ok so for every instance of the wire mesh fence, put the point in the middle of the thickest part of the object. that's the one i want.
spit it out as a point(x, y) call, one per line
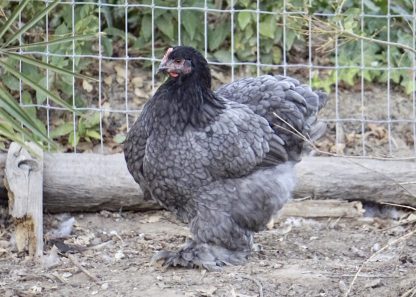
point(361, 52)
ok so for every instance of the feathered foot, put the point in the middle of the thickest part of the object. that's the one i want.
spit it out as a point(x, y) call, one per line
point(202, 255)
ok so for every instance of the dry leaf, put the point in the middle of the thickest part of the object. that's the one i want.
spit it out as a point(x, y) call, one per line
point(108, 80)
point(137, 81)
point(87, 86)
point(121, 71)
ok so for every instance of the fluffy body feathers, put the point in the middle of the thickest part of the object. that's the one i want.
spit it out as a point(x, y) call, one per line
point(221, 161)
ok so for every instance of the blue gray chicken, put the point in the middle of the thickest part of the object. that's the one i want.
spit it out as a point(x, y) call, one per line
point(222, 161)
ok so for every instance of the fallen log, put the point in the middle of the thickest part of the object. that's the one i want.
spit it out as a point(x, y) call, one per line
point(93, 182)
point(380, 181)
point(90, 182)
point(322, 209)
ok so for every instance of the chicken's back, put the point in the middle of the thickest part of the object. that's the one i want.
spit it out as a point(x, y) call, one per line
point(288, 106)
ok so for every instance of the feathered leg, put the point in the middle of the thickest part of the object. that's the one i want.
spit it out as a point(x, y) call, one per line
point(202, 255)
point(228, 212)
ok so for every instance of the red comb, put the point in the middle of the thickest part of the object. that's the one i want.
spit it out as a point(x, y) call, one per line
point(165, 57)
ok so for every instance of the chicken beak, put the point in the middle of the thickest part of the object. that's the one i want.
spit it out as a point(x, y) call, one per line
point(164, 67)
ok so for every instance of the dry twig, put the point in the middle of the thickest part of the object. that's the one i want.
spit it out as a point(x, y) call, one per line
point(399, 205)
point(77, 264)
point(409, 293)
point(257, 283)
point(401, 238)
point(321, 27)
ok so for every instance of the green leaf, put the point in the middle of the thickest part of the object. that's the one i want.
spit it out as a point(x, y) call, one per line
point(290, 39)
point(48, 66)
point(370, 5)
point(244, 19)
point(31, 23)
point(107, 44)
point(119, 138)
point(348, 75)
point(52, 42)
point(13, 17)
point(119, 33)
point(29, 70)
point(93, 134)
point(40, 96)
point(146, 27)
point(164, 24)
point(14, 114)
point(36, 86)
point(9, 104)
point(217, 35)
point(73, 139)
point(13, 130)
point(2, 145)
point(62, 130)
point(27, 99)
point(409, 85)
point(277, 55)
point(223, 56)
point(62, 29)
point(91, 120)
point(245, 3)
point(81, 128)
point(10, 135)
point(268, 26)
point(190, 22)
point(87, 24)
point(11, 82)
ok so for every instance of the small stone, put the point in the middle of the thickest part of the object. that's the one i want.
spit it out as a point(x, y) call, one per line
point(104, 286)
point(119, 255)
point(358, 252)
point(35, 289)
point(342, 286)
point(374, 283)
point(66, 274)
point(375, 247)
point(105, 213)
point(263, 264)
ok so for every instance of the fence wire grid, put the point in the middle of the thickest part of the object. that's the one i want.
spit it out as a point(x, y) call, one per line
point(365, 118)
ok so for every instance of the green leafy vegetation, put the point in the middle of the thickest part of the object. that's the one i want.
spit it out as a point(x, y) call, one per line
point(371, 41)
point(360, 41)
point(27, 75)
point(341, 34)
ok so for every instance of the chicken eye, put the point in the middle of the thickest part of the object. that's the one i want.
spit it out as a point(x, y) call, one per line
point(177, 61)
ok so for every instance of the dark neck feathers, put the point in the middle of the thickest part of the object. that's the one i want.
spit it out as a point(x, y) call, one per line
point(188, 100)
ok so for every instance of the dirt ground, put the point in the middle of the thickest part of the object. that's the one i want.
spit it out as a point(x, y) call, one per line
point(299, 257)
